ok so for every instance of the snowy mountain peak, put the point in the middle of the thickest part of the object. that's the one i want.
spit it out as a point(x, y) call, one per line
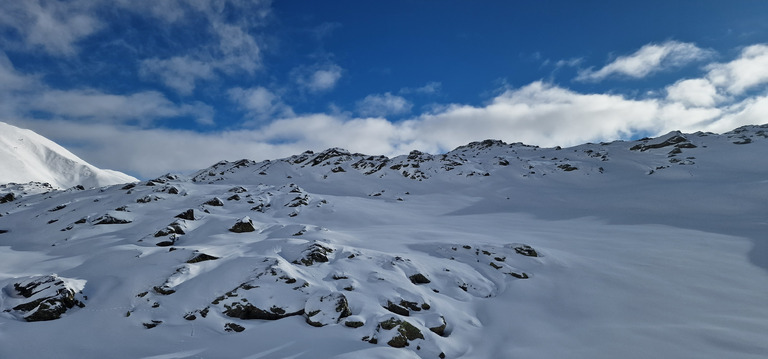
point(26, 156)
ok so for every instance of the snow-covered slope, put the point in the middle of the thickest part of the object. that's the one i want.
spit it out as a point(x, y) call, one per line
point(650, 248)
point(26, 156)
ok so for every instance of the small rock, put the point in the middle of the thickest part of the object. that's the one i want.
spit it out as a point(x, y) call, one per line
point(243, 225)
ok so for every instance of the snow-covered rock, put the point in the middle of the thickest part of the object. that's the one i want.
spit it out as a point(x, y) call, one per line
point(42, 298)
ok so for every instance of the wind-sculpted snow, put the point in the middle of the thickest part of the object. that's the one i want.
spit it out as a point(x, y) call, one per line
point(491, 250)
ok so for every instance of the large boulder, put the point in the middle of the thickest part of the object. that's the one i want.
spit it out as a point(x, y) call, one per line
point(42, 298)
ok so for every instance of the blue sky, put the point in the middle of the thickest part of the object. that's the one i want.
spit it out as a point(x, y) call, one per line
point(151, 86)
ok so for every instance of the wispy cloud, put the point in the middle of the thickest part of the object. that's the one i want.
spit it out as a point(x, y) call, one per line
point(25, 95)
point(430, 88)
point(383, 105)
point(179, 73)
point(120, 130)
point(260, 103)
point(318, 77)
point(53, 26)
point(647, 60)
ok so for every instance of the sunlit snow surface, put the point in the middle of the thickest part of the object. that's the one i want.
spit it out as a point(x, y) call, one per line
point(640, 253)
point(26, 156)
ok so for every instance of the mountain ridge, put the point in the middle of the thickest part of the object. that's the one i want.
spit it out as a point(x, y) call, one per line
point(621, 249)
point(25, 156)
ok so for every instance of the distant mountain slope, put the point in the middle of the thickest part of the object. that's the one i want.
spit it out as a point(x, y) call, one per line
point(26, 156)
point(637, 249)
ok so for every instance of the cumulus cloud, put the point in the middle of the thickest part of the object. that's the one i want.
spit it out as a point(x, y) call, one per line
point(539, 113)
point(52, 26)
point(742, 74)
point(383, 105)
point(694, 92)
point(648, 59)
point(118, 129)
point(318, 77)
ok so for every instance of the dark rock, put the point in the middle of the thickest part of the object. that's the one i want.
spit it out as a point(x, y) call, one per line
point(419, 278)
point(406, 332)
point(674, 140)
point(48, 297)
point(147, 199)
point(163, 290)
point(326, 309)
point(202, 257)
point(518, 275)
point(152, 324)
point(215, 201)
point(439, 329)
point(243, 225)
point(173, 228)
point(315, 253)
point(9, 197)
point(234, 197)
point(188, 215)
point(245, 310)
point(57, 208)
point(353, 324)
point(526, 250)
point(107, 219)
point(397, 309)
point(232, 327)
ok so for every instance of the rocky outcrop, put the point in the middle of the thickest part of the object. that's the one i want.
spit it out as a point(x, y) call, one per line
point(43, 298)
point(109, 219)
point(322, 310)
point(315, 253)
point(246, 310)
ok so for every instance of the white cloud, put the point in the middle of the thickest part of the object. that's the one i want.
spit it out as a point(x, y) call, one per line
point(259, 102)
point(383, 105)
point(142, 107)
point(742, 74)
point(317, 78)
point(53, 26)
point(694, 92)
point(10, 79)
point(25, 94)
point(539, 113)
point(237, 49)
point(179, 73)
point(648, 59)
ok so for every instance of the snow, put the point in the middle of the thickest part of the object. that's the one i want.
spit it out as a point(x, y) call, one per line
point(26, 156)
point(636, 255)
